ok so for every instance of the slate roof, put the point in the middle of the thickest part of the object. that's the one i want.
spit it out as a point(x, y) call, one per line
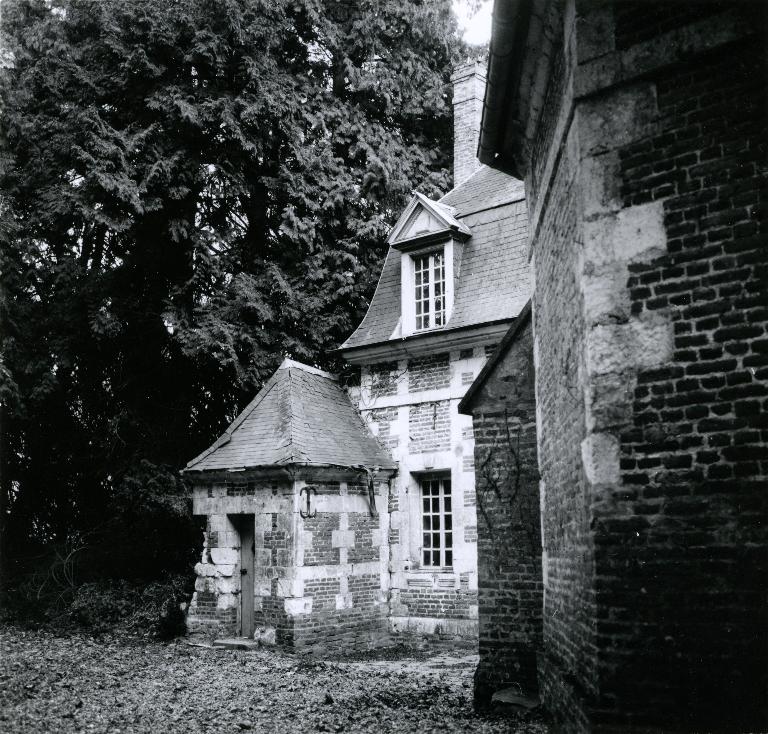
point(300, 416)
point(484, 189)
point(493, 282)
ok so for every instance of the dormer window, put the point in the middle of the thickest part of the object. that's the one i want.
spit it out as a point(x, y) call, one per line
point(430, 241)
point(429, 283)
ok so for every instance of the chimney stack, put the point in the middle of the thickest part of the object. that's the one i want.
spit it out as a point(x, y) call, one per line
point(468, 93)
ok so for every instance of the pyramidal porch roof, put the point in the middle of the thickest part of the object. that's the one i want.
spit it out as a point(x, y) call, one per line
point(301, 416)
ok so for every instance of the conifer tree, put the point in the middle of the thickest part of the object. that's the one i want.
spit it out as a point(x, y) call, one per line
point(192, 190)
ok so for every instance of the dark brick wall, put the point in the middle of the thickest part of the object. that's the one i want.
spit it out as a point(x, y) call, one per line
point(209, 620)
point(655, 607)
point(323, 593)
point(569, 610)
point(643, 20)
point(685, 591)
point(510, 585)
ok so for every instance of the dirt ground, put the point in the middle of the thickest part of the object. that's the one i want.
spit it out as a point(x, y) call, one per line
point(118, 684)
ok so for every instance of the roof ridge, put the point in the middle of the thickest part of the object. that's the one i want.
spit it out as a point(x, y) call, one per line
point(288, 363)
point(294, 446)
point(465, 181)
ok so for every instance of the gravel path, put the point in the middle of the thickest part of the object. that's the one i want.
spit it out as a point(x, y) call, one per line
point(108, 684)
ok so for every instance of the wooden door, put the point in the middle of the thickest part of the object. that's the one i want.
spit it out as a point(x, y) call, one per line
point(247, 553)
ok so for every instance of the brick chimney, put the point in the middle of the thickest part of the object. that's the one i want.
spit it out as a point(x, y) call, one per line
point(468, 92)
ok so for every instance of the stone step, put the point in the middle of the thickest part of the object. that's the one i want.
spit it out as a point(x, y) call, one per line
point(236, 643)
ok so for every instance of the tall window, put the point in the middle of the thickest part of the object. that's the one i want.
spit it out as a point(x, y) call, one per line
point(437, 522)
point(429, 283)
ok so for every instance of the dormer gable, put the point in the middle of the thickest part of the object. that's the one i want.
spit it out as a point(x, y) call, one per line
point(430, 240)
point(424, 219)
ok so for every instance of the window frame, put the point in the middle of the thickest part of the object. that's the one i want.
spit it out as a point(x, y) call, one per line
point(435, 289)
point(445, 532)
point(409, 261)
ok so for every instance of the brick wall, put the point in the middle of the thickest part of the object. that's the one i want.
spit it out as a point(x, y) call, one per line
point(649, 316)
point(429, 426)
point(432, 602)
point(569, 612)
point(509, 539)
point(428, 373)
point(694, 459)
point(323, 593)
point(384, 379)
point(360, 625)
point(381, 421)
point(363, 525)
point(643, 20)
point(320, 551)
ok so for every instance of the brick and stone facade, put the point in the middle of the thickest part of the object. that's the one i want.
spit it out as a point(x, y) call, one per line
point(412, 378)
point(320, 582)
point(641, 131)
point(502, 404)
point(418, 419)
point(296, 547)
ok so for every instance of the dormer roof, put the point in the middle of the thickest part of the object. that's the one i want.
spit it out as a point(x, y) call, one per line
point(493, 282)
point(425, 218)
point(301, 416)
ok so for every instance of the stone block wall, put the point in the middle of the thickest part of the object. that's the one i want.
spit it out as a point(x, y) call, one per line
point(510, 584)
point(215, 606)
point(647, 198)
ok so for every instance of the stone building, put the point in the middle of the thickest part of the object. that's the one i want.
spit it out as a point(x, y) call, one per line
point(337, 517)
point(453, 281)
point(640, 130)
point(502, 403)
point(295, 496)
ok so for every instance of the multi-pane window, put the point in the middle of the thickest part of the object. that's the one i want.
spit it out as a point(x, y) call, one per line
point(429, 283)
point(437, 522)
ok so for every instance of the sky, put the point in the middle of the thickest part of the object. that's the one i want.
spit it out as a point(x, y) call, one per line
point(476, 29)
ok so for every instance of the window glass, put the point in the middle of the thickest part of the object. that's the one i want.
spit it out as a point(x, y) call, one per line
point(429, 290)
point(437, 522)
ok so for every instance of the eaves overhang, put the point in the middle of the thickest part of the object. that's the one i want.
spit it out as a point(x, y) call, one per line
point(502, 130)
point(427, 342)
point(292, 470)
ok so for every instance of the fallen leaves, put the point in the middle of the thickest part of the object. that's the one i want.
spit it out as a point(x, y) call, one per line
point(83, 684)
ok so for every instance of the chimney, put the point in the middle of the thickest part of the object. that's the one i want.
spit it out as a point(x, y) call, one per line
point(468, 93)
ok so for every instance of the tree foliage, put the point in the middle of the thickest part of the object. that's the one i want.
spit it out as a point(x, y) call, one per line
point(192, 190)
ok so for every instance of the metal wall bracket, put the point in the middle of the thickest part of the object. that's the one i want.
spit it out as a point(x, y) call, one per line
point(308, 513)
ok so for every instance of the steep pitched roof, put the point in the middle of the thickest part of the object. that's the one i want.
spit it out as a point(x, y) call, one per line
point(300, 416)
point(484, 189)
point(493, 283)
